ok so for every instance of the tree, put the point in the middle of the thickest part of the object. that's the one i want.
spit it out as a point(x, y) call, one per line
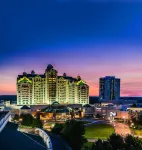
point(80, 114)
point(102, 145)
point(73, 132)
point(72, 114)
point(99, 145)
point(16, 117)
point(22, 116)
point(37, 123)
point(57, 128)
point(133, 105)
point(132, 143)
point(27, 120)
point(107, 145)
point(116, 141)
point(37, 115)
point(140, 118)
point(54, 115)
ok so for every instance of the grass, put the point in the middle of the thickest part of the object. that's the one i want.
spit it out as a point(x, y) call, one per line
point(26, 127)
point(102, 131)
point(87, 146)
point(137, 132)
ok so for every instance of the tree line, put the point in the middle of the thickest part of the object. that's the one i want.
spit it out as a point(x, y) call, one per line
point(29, 120)
point(73, 133)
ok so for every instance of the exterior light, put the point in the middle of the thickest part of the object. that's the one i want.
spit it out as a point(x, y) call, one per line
point(53, 125)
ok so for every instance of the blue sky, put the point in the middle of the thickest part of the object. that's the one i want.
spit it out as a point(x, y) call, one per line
point(83, 37)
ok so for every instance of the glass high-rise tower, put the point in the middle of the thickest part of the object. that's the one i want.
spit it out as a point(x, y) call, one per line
point(109, 88)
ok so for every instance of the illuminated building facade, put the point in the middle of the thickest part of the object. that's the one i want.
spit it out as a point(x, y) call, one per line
point(34, 89)
point(109, 88)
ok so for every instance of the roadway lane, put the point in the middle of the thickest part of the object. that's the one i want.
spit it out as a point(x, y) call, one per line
point(122, 129)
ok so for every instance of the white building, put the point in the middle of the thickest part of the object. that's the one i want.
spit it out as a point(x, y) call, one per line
point(34, 89)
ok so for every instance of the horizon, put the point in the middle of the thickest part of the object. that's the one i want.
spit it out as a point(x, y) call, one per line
point(88, 38)
point(89, 96)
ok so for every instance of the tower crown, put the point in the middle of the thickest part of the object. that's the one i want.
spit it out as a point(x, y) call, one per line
point(32, 72)
point(49, 67)
point(78, 78)
point(24, 73)
point(64, 74)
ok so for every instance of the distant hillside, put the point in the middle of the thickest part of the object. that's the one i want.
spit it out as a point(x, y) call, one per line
point(8, 97)
point(131, 98)
point(95, 99)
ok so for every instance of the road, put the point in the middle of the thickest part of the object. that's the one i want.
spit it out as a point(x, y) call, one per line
point(122, 129)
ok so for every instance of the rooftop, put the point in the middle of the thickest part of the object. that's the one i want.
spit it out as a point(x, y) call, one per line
point(56, 107)
point(25, 107)
point(2, 114)
point(11, 139)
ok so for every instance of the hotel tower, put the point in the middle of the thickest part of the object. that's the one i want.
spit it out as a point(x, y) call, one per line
point(109, 88)
point(35, 89)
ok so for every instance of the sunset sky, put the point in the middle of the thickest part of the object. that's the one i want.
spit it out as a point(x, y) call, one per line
point(79, 37)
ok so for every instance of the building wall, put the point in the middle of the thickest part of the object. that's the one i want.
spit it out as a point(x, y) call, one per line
point(51, 84)
point(24, 92)
point(109, 88)
point(34, 89)
point(38, 96)
point(62, 90)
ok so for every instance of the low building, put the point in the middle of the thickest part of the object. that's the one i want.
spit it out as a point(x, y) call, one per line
point(56, 111)
point(109, 112)
point(88, 110)
point(24, 110)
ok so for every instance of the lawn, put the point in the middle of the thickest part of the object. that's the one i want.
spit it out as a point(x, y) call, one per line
point(87, 146)
point(102, 131)
point(25, 127)
point(137, 132)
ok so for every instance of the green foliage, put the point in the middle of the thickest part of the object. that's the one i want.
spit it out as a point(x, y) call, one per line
point(102, 145)
point(132, 143)
point(37, 115)
point(27, 119)
point(57, 128)
point(133, 105)
point(88, 146)
point(73, 132)
point(116, 141)
point(37, 123)
point(22, 116)
point(140, 118)
point(16, 117)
